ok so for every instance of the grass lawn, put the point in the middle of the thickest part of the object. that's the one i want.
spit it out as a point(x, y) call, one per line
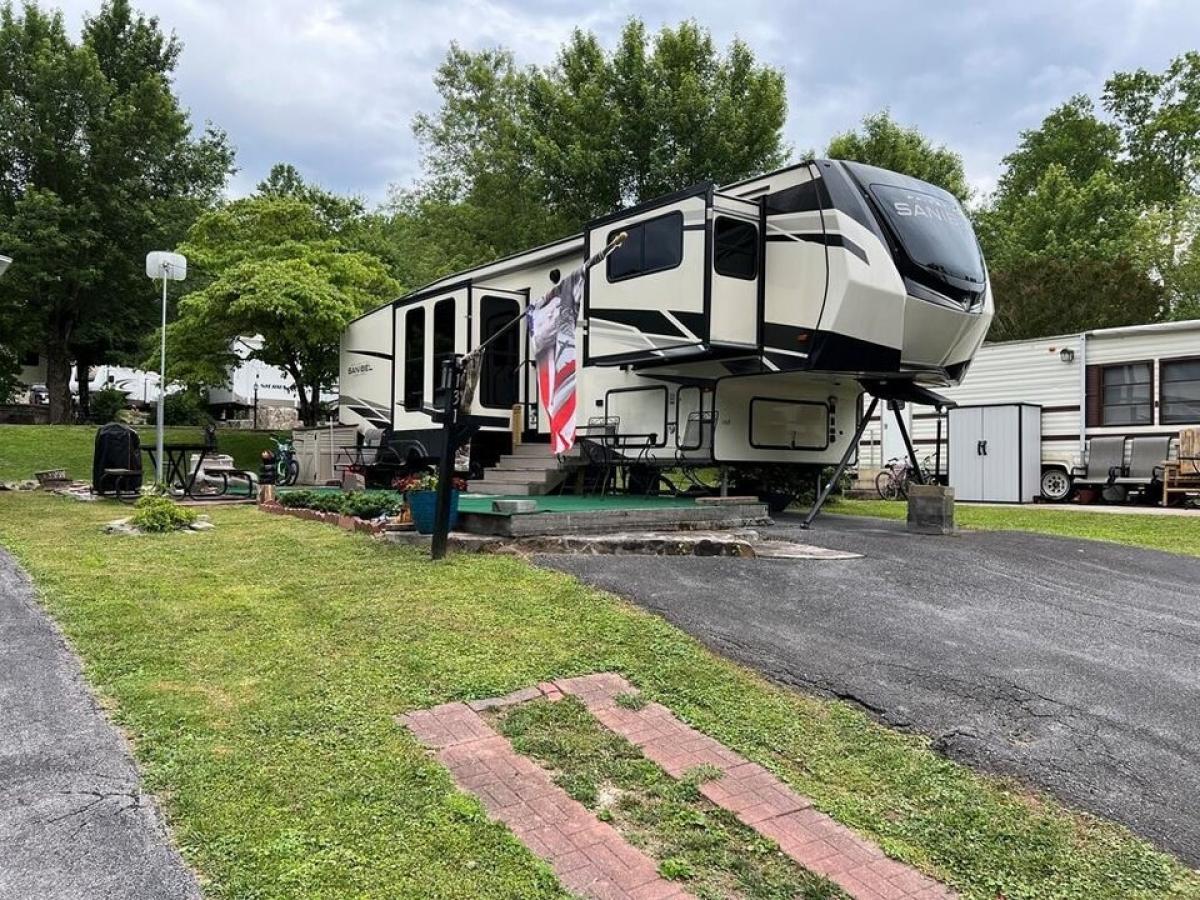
point(25, 449)
point(1174, 534)
point(258, 668)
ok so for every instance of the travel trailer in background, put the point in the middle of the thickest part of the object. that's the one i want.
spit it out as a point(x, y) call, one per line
point(1139, 380)
point(735, 324)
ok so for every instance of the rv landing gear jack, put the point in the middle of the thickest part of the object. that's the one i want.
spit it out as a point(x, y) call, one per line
point(915, 474)
point(851, 450)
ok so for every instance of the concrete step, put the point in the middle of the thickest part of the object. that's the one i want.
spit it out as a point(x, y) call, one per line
point(524, 464)
point(541, 451)
point(510, 490)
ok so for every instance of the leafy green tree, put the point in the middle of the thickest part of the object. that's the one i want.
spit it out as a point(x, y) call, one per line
point(1071, 136)
point(518, 156)
point(885, 143)
point(98, 165)
point(275, 266)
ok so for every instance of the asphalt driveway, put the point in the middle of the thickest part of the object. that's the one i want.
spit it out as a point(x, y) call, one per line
point(1071, 664)
point(74, 821)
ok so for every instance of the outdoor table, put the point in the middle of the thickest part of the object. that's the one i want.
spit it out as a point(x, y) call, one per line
point(176, 455)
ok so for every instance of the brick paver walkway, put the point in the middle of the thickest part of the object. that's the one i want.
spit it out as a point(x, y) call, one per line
point(755, 796)
point(589, 856)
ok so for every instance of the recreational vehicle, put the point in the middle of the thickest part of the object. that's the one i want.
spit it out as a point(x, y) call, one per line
point(1135, 381)
point(737, 324)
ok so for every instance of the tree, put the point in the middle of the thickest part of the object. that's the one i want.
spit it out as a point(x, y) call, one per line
point(885, 143)
point(98, 165)
point(518, 156)
point(277, 266)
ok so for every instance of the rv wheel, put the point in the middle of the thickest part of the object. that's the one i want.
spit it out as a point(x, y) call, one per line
point(1056, 485)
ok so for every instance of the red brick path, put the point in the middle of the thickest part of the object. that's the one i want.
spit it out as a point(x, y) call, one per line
point(755, 796)
point(589, 856)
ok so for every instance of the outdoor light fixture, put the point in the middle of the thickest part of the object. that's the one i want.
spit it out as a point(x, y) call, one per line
point(1066, 354)
point(168, 267)
point(4, 263)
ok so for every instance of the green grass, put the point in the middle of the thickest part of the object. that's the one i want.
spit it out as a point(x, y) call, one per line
point(25, 449)
point(695, 841)
point(1174, 534)
point(258, 667)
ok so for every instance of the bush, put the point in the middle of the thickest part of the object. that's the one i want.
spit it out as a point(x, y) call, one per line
point(186, 408)
point(105, 405)
point(296, 499)
point(372, 504)
point(156, 515)
point(326, 501)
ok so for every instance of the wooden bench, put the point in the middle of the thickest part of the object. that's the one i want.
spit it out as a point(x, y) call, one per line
point(1181, 476)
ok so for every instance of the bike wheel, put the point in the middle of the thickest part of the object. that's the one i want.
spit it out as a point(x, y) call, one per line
point(293, 473)
point(885, 485)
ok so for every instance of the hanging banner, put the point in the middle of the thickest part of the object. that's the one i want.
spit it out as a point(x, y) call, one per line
point(552, 324)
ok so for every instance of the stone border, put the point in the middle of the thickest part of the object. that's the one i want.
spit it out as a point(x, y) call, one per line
point(591, 857)
point(348, 523)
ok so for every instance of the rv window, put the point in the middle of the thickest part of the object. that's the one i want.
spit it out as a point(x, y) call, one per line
point(654, 245)
point(778, 424)
point(414, 358)
point(1127, 395)
point(501, 360)
point(735, 248)
point(443, 343)
point(1180, 401)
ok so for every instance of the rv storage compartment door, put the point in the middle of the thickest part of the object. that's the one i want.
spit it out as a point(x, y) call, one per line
point(645, 303)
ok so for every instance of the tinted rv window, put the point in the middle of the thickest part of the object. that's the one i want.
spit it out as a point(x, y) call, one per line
point(735, 248)
point(654, 245)
point(443, 343)
point(414, 358)
point(1127, 395)
point(934, 230)
point(1180, 402)
point(501, 360)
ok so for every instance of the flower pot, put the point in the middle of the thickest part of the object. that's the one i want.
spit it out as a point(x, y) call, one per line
point(423, 506)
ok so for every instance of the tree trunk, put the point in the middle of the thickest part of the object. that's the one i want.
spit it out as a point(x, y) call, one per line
point(82, 364)
point(58, 383)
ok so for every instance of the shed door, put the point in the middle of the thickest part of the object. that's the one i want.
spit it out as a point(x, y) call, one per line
point(966, 461)
point(1001, 454)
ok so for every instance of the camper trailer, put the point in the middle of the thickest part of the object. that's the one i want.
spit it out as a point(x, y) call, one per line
point(737, 324)
point(1142, 380)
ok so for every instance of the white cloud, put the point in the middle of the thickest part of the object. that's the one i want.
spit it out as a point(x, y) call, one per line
point(332, 85)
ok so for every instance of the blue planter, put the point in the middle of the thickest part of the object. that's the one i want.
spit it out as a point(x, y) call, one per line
point(423, 506)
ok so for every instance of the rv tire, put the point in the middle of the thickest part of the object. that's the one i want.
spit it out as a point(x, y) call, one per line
point(1056, 484)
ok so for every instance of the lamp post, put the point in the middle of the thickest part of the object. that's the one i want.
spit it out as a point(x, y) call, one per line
point(254, 425)
point(168, 267)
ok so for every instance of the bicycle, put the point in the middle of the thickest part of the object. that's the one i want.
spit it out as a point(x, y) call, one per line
point(287, 469)
point(893, 480)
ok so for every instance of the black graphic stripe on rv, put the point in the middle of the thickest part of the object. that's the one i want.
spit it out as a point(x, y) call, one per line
point(650, 321)
point(829, 240)
point(370, 416)
point(374, 353)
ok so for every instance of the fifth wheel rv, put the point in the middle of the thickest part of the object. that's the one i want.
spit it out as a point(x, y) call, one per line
point(736, 324)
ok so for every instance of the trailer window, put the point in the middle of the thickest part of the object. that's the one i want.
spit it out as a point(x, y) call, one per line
point(1126, 395)
point(414, 358)
point(501, 360)
point(654, 245)
point(443, 343)
point(1180, 397)
point(735, 248)
point(779, 424)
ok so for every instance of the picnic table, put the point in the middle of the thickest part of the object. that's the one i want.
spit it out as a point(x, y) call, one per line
point(183, 479)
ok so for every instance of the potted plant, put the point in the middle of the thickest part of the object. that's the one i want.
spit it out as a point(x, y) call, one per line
point(420, 491)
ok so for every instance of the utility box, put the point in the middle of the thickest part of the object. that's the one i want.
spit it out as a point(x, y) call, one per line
point(996, 452)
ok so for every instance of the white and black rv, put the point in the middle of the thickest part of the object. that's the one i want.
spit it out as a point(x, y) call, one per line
point(740, 323)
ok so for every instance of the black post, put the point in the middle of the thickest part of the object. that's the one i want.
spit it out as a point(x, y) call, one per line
point(937, 454)
point(841, 467)
point(441, 522)
point(915, 475)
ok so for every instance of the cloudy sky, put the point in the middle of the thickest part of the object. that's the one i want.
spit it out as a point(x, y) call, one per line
point(332, 85)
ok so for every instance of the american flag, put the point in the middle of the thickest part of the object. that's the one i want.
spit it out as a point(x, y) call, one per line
point(552, 335)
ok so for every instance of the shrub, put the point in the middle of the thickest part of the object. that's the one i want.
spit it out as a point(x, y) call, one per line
point(296, 499)
point(105, 405)
point(326, 501)
point(159, 514)
point(372, 504)
point(185, 408)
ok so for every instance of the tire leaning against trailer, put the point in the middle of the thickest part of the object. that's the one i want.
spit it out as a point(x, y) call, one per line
point(1056, 484)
